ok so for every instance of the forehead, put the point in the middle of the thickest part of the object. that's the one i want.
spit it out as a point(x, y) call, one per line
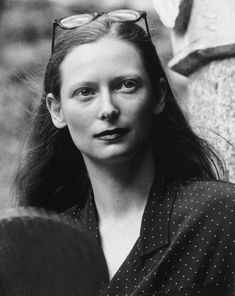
point(106, 56)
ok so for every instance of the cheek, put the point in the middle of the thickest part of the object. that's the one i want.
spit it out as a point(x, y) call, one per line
point(77, 120)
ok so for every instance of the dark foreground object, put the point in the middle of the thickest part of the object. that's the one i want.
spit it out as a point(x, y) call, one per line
point(42, 255)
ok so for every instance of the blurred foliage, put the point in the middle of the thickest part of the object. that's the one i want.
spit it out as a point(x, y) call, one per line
point(25, 28)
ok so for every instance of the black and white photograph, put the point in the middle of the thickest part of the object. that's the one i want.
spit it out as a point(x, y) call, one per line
point(117, 148)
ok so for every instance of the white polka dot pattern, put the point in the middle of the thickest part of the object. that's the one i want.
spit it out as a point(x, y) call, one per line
point(186, 244)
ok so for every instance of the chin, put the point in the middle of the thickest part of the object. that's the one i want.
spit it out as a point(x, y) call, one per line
point(115, 155)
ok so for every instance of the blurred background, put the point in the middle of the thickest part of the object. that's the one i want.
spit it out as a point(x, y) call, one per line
point(25, 32)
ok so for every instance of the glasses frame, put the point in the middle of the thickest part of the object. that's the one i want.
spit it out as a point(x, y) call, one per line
point(58, 22)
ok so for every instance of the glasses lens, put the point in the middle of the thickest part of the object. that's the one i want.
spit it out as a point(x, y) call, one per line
point(76, 21)
point(124, 15)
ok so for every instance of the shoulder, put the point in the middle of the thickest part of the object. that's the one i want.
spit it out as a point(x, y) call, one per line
point(207, 203)
point(202, 193)
point(206, 188)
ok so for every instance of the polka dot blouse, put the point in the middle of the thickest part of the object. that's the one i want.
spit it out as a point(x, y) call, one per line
point(186, 244)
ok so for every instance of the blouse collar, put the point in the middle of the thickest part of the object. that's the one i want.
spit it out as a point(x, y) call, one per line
point(155, 227)
point(154, 232)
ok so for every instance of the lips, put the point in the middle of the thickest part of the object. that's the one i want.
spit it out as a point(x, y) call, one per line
point(111, 134)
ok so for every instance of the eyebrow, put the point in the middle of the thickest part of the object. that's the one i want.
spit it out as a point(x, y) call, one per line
point(128, 76)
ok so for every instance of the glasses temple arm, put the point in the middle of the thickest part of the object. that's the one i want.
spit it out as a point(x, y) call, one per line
point(147, 26)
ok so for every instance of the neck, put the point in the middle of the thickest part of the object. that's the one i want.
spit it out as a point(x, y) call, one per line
point(121, 189)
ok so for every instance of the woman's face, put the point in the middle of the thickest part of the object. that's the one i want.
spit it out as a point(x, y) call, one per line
point(106, 100)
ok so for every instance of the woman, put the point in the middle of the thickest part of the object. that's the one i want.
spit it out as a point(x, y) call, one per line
point(110, 146)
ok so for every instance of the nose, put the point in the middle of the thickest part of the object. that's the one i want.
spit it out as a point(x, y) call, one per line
point(108, 111)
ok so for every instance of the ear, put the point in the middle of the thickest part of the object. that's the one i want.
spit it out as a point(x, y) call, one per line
point(54, 107)
point(158, 108)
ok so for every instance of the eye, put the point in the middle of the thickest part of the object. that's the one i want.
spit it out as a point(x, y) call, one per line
point(128, 86)
point(84, 92)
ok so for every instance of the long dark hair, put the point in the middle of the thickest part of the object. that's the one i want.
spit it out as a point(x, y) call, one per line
point(53, 174)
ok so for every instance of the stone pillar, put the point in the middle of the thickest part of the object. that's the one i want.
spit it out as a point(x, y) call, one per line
point(212, 107)
point(203, 40)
